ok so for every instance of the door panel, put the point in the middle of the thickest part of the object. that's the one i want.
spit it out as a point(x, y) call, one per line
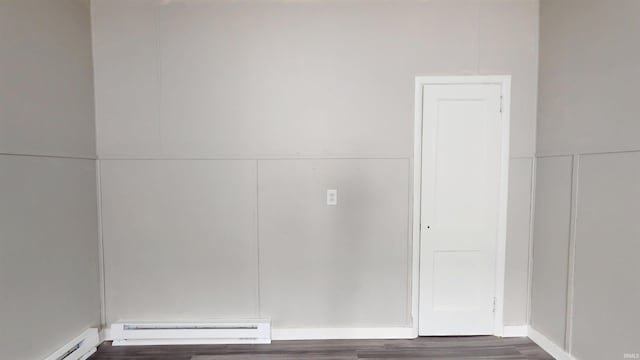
point(459, 210)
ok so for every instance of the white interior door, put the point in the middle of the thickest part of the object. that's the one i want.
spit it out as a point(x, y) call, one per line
point(461, 160)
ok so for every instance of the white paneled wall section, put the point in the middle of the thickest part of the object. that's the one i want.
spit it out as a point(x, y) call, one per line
point(221, 124)
point(49, 283)
point(585, 287)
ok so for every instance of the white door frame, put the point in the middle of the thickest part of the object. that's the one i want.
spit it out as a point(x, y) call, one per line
point(505, 82)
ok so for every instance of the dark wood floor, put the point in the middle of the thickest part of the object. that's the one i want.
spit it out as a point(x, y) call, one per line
point(467, 348)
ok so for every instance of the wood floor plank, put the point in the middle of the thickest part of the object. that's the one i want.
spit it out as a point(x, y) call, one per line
point(433, 348)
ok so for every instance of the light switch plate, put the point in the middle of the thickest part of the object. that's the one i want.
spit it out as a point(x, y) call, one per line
point(332, 197)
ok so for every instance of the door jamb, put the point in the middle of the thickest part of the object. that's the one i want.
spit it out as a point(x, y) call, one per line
point(505, 82)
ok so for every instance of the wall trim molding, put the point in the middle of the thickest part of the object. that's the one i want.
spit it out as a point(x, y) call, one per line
point(532, 211)
point(105, 335)
point(515, 331)
point(549, 346)
point(342, 333)
point(575, 173)
point(80, 348)
point(256, 158)
point(101, 262)
point(71, 157)
point(587, 153)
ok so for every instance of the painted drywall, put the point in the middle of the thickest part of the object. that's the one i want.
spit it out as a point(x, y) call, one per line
point(278, 78)
point(49, 277)
point(606, 268)
point(588, 77)
point(551, 246)
point(518, 235)
point(338, 259)
point(297, 81)
point(180, 239)
point(46, 91)
point(48, 254)
point(588, 81)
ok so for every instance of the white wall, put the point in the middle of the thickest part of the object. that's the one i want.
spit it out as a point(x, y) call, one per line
point(343, 266)
point(586, 227)
point(48, 254)
point(49, 282)
point(588, 64)
point(518, 241)
point(314, 95)
point(551, 246)
point(606, 286)
point(179, 239)
point(46, 92)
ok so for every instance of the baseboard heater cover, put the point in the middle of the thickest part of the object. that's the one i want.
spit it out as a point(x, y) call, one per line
point(79, 348)
point(191, 333)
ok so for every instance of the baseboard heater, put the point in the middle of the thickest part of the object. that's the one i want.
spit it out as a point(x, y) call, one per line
point(79, 348)
point(191, 333)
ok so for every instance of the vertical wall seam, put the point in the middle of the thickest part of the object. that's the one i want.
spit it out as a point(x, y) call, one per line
point(532, 203)
point(158, 64)
point(93, 84)
point(536, 104)
point(258, 297)
point(478, 38)
point(410, 220)
point(101, 257)
point(416, 209)
point(572, 248)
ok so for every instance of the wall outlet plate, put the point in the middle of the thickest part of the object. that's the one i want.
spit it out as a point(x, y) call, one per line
point(332, 197)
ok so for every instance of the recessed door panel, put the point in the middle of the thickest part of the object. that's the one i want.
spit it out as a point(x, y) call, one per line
point(461, 161)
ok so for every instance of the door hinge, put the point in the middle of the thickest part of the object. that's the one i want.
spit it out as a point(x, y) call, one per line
point(494, 304)
point(501, 104)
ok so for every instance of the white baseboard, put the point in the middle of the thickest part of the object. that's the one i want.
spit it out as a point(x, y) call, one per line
point(323, 333)
point(80, 348)
point(549, 346)
point(105, 335)
point(515, 331)
point(342, 333)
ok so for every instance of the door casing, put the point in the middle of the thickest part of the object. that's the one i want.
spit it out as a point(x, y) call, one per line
point(505, 82)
